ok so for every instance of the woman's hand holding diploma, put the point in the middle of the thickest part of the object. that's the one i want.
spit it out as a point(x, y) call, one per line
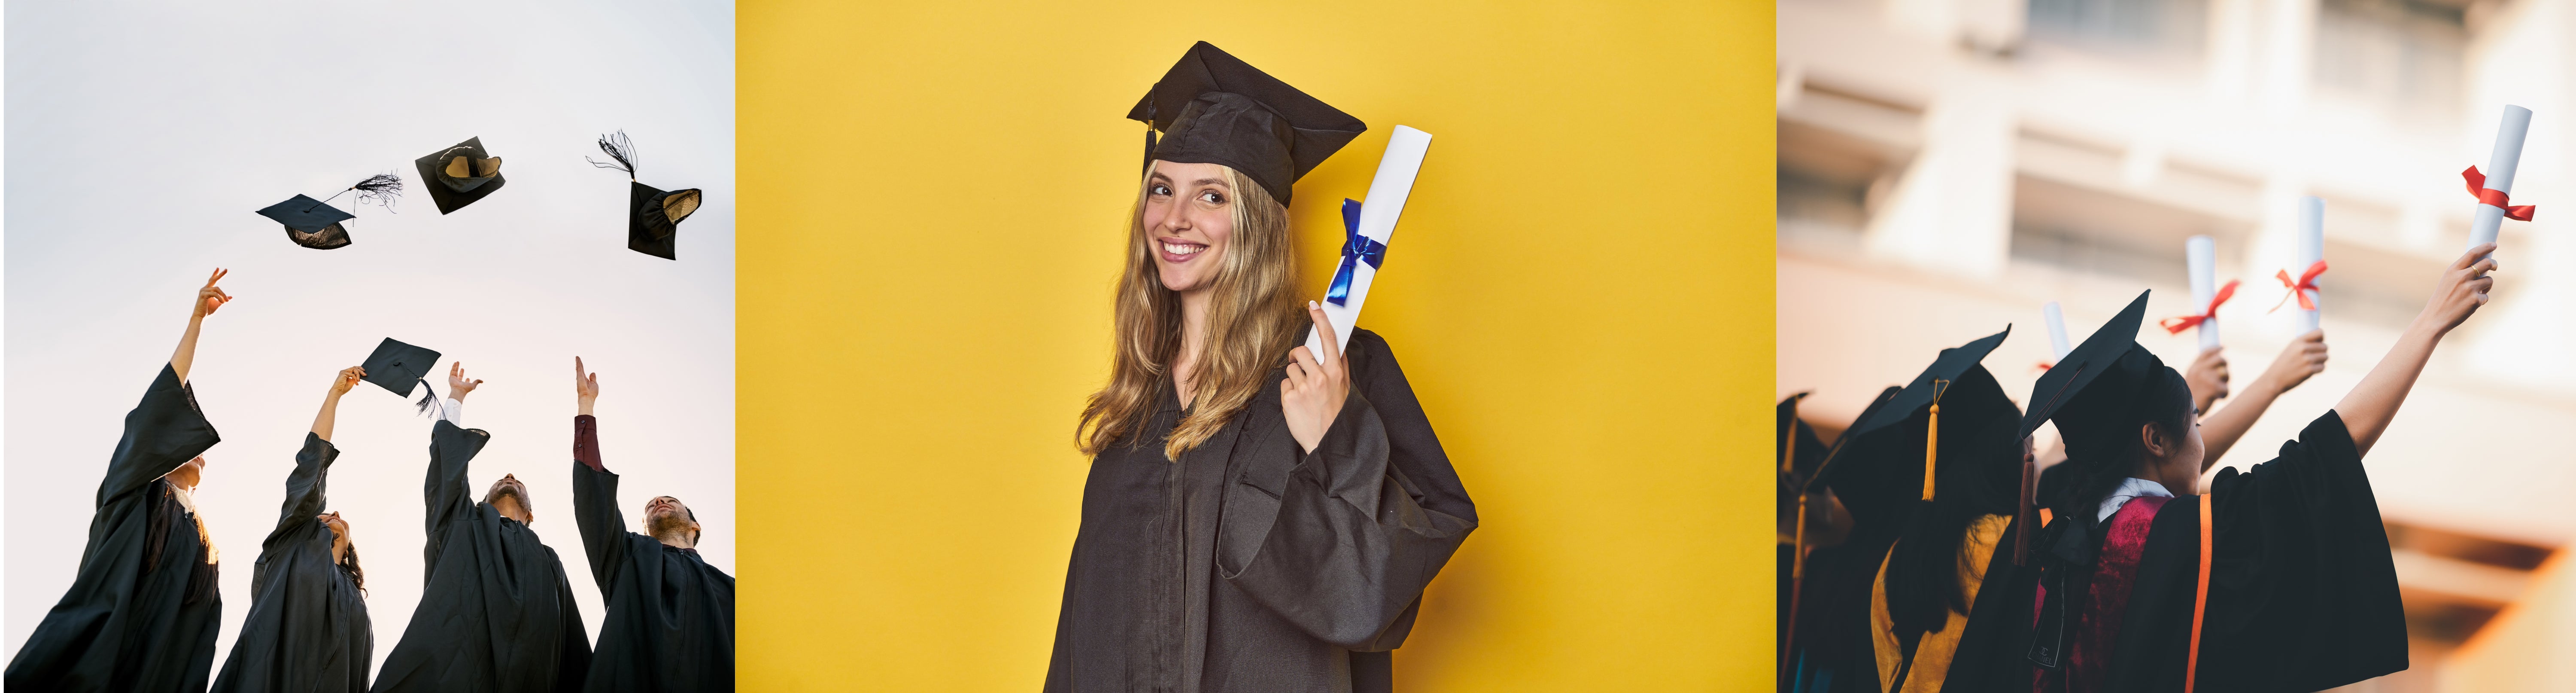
point(1313, 393)
point(2367, 410)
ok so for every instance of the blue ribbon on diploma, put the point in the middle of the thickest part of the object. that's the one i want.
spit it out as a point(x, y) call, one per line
point(1355, 249)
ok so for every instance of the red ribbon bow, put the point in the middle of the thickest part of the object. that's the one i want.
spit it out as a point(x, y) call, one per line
point(2495, 198)
point(2306, 282)
point(2177, 325)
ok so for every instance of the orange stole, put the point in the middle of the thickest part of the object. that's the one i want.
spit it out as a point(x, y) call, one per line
point(1932, 655)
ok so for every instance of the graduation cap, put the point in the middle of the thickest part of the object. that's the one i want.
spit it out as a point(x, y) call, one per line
point(1216, 109)
point(316, 224)
point(1800, 449)
point(652, 215)
point(2111, 352)
point(396, 366)
point(1808, 487)
point(1902, 439)
point(457, 176)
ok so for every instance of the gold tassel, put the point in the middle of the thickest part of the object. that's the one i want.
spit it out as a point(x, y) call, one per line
point(1790, 457)
point(1932, 438)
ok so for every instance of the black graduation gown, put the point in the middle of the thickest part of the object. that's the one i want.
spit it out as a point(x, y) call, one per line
point(307, 631)
point(1248, 566)
point(143, 609)
point(496, 614)
point(670, 615)
point(2303, 595)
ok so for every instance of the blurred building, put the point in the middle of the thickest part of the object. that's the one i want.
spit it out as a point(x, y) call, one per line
point(1947, 166)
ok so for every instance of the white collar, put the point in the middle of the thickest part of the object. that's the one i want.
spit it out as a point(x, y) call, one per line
point(2131, 487)
point(187, 498)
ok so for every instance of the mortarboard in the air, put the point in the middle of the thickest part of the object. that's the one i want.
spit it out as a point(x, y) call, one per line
point(316, 224)
point(1903, 437)
point(396, 367)
point(1216, 109)
point(652, 215)
point(457, 176)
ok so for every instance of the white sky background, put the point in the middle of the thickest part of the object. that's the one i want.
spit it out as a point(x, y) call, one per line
point(139, 142)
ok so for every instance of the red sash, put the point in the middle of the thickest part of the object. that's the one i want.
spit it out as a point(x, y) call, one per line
point(2097, 623)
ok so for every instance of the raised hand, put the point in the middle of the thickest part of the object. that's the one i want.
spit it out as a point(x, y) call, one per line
point(1313, 393)
point(2462, 289)
point(2304, 357)
point(348, 378)
point(2207, 378)
point(585, 386)
point(211, 297)
point(457, 384)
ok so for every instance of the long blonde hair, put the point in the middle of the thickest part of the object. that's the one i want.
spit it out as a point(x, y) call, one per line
point(1253, 319)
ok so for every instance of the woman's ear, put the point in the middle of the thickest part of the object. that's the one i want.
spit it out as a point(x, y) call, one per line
point(2153, 438)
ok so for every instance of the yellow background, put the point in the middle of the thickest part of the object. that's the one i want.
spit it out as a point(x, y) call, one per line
point(932, 208)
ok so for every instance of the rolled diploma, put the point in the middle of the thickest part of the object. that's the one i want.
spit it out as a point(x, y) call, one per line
point(2202, 255)
point(2312, 248)
point(2056, 330)
point(2500, 167)
point(1385, 203)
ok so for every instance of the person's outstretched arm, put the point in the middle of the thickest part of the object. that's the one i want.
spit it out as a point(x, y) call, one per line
point(2303, 358)
point(2367, 410)
point(209, 298)
point(323, 420)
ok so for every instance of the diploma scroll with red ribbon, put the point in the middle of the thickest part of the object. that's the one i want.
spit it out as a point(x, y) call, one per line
point(2208, 315)
point(2494, 186)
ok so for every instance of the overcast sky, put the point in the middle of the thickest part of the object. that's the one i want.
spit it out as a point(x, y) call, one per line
point(140, 139)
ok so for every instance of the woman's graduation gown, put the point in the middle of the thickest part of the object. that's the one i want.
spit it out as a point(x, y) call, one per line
point(496, 613)
point(670, 615)
point(1250, 566)
point(142, 611)
point(2302, 592)
point(307, 631)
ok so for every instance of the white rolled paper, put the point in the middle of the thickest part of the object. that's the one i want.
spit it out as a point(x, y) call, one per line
point(2057, 343)
point(1385, 203)
point(2201, 253)
point(2487, 218)
point(2312, 248)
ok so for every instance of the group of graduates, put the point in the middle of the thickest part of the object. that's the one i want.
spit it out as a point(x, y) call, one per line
point(496, 612)
point(1930, 547)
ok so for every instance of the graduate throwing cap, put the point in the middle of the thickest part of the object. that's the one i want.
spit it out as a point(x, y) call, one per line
point(307, 631)
point(1259, 516)
point(670, 615)
point(143, 608)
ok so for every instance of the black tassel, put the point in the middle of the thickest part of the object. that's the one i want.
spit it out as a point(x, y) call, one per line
point(382, 189)
point(428, 397)
point(619, 149)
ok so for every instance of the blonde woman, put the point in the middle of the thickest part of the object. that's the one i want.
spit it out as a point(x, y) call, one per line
point(1258, 517)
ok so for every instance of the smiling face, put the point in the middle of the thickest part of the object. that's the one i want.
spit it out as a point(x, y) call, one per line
point(1189, 217)
point(339, 533)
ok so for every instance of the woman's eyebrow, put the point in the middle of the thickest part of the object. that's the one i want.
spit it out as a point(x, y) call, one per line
point(1209, 181)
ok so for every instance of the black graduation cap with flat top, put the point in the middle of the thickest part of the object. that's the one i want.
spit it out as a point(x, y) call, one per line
point(460, 175)
point(396, 367)
point(1216, 109)
point(652, 214)
point(2111, 358)
point(316, 224)
point(1943, 411)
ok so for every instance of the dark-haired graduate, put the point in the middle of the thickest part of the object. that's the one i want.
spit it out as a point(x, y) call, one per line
point(670, 615)
point(143, 607)
point(307, 631)
point(1944, 452)
point(1258, 517)
point(496, 613)
point(2277, 578)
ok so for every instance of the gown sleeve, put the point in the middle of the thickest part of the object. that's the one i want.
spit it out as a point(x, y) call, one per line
point(305, 495)
point(594, 505)
point(1365, 519)
point(2303, 595)
point(164, 431)
point(451, 451)
point(572, 663)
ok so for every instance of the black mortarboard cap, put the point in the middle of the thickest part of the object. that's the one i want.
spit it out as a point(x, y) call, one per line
point(397, 366)
point(457, 176)
point(1842, 443)
point(310, 222)
point(1889, 472)
point(1216, 109)
point(1932, 384)
point(1798, 449)
point(2111, 352)
point(653, 215)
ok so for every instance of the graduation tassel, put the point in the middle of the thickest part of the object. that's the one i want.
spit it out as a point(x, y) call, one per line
point(1789, 456)
point(2022, 528)
point(1149, 135)
point(619, 149)
point(381, 188)
point(428, 397)
point(1797, 584)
